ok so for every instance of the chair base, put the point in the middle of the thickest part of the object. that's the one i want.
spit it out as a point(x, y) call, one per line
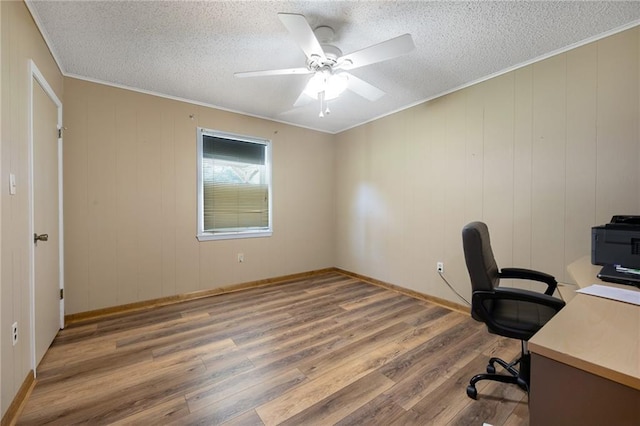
point(518, 377)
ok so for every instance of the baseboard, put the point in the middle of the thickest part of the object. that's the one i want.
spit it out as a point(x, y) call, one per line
point(170, 300)
point(11, 416)
point(407, 292)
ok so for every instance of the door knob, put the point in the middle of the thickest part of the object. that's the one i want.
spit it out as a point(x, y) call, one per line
point(41, 237)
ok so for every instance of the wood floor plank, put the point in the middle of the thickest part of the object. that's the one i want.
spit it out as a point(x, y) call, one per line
point(116, 403)
point(520, 415)
point(374, 309)
point(427, 331)
point(323, 349)
point(364, 301)
point(381, 410)
point(295, 333)
point(428, 314)
point(300, 350)
point(348, 353)
point(412, 361)
point(163, 413)
point(49, 395)
point(317, 389)
point(201, 344)
point(238, 403)
point(248, 418)
point(95, 365)
point(343, 402)
point(209, 394)
point(59, 356)
point(442, 404)
point(428, 377)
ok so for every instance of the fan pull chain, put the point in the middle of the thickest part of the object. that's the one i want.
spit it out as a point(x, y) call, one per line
point(321, 98)
point(324, 105)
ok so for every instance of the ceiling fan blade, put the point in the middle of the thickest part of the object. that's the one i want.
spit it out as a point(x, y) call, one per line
point(303, 34)
point(302, 100)
point(286, 71)
point(364, 89)
point(377, 53)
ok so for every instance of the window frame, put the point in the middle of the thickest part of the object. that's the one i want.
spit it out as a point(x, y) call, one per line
point(201, 234)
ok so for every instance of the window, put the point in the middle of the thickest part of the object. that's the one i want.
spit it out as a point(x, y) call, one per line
point(234, 186)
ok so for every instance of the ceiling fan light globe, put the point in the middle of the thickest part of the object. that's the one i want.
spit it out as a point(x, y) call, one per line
point(315, 85)
point(331, 84)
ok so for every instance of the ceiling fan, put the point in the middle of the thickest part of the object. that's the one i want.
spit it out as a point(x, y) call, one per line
point(329, 66)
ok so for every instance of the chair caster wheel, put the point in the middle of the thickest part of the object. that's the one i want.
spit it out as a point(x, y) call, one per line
point(472, 392)
point(491, 369)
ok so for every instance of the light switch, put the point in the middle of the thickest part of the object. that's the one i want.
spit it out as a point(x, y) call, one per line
point(12, 184)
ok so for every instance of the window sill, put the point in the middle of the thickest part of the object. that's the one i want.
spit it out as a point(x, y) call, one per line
point(233, 235)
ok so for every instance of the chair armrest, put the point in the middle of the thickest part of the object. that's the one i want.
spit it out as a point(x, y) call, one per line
point(529, 274)
point(523, 296)
point(480, 297)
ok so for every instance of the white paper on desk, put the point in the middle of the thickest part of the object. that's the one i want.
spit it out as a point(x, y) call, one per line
point(620, 294)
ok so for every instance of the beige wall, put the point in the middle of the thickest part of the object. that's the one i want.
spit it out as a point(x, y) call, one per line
point(130, 200)
point(541, 154)
point(20, 42)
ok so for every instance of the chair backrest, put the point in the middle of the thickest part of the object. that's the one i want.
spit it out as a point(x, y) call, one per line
point(478, 255)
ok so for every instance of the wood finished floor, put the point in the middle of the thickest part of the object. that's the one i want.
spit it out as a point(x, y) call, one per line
point(323, 350)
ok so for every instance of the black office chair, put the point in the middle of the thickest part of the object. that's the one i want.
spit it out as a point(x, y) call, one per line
point(508, 312)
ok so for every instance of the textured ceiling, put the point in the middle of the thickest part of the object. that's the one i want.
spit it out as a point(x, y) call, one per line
point(190, 50)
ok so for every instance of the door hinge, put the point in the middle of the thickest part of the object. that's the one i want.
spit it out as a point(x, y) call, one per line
point(61, 293)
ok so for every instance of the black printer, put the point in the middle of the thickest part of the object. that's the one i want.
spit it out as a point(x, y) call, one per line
point(617, 242)
point(616, 245)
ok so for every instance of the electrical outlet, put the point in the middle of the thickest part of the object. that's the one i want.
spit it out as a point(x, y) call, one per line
point(14, 333)
point(440, 267)
point(240, 257)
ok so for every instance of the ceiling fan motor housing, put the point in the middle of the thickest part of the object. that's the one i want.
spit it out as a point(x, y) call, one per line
point(324, 35)
point(331, 53)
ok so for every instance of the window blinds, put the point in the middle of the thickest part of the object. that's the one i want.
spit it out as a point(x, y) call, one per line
point(232, 207)
point(231, 203)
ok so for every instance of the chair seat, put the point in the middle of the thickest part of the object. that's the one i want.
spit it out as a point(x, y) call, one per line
point(525, 318)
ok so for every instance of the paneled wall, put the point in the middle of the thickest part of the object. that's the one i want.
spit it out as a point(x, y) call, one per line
point(130, 200)
point(21, 42)
point(540, 154)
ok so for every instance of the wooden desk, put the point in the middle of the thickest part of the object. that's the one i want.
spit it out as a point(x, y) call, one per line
point(585, 363)
point(585, 273)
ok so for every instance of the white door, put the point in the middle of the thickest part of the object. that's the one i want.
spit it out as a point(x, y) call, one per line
point(45, 220)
